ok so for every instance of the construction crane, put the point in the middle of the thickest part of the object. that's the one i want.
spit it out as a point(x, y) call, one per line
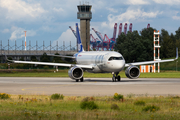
point(74, 32)
point(120, 29)
point(113, 39)
point(106, 42)
point(148, 26)
point(95, 42)
point(130, 27)
point(125, 28)
point(103, 43)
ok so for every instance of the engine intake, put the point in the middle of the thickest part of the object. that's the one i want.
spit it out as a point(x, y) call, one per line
point(132, 72)
point(75, 73)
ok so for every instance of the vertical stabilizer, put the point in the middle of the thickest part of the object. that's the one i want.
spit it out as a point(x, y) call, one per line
point(80, 47)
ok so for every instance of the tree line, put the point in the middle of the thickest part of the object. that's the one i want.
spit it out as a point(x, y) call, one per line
point(136, 47)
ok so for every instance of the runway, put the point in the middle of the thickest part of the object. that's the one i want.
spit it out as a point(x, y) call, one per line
point(90, 86)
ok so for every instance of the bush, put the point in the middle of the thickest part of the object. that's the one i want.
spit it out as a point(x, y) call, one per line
point(57, 96)
point(139, 102)
point(151, 108)
point(88, 105)
point(85, 99)
point(114, 107)
point(118, 96)
point(46, 67)
point(176, 97)
point(4, 96)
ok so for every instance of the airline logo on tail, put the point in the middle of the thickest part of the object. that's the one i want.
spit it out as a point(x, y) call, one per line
point(80, 47)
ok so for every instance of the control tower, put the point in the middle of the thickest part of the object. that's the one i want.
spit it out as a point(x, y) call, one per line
point(84, 14)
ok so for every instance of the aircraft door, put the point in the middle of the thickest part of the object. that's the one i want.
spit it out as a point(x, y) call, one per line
point(96, 59)
point(92, 59)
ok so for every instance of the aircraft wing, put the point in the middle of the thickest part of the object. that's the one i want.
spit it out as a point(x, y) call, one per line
point(61, 56)
point(151, 62)
point(53, 64)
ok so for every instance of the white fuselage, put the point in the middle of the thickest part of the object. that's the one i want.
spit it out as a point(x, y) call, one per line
point(102, 61)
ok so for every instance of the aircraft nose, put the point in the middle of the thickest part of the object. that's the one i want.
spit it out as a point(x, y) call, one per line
point(119, 65)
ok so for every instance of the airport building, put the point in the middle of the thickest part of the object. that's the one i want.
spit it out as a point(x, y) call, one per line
point(85, 15)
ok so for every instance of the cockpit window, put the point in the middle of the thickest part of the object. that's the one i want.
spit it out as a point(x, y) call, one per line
point(115, 58)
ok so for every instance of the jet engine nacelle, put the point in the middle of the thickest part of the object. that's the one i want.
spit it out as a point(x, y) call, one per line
point(75, 73)
point(132, 72)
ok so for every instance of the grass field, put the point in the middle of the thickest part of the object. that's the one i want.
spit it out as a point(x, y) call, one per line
point(41, 107)
point(64, 73)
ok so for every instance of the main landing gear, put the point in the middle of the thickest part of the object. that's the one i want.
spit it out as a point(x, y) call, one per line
point(116, 77)
point(81, 79)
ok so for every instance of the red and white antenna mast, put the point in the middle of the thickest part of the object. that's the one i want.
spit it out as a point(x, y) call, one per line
point(156, 46)
point(25, 39)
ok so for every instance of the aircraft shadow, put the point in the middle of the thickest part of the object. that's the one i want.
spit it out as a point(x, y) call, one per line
point(89, 80)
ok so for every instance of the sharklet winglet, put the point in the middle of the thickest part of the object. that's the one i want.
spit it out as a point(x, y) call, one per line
point(176, 54)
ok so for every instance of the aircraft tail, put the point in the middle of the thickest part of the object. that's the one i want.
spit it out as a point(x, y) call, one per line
point(80, 47)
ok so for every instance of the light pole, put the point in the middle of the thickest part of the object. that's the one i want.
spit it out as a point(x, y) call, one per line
point(176, 65)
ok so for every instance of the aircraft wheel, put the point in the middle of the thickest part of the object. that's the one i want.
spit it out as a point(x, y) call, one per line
point(77, 80)
point(113, 79)
point(82, 79)
point(119, 78)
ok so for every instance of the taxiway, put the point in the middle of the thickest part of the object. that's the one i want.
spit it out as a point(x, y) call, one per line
point(90, 86)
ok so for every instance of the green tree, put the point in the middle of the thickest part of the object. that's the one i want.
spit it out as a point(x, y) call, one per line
point(148, 33)
point(21, 59)
point(57, 59)
point(33, 58)
point(134, 47)
point(167, 44)
point(177, 36)
point(45, 58)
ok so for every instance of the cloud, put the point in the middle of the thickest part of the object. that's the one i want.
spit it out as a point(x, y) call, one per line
point(19, 33)
point(112, 10)
point(19, 10)
point(129, 16)
point(58, 10)
point(5, 31)
point(176, 17)
point(66, 37)
point(137, 2)
point(168, 2)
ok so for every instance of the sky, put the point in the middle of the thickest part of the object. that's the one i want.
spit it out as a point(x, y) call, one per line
point(49, 20)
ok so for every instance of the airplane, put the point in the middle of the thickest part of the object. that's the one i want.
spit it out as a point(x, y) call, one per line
point(98, 62)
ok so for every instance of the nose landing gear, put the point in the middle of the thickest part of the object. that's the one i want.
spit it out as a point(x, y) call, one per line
point(116, 77)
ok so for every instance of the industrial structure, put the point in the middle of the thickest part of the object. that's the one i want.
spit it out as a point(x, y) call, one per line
point(156, 48)
point(152, 68)
point(25, 39)
point(17, 52)
point(85, 15)
point(104, 42)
